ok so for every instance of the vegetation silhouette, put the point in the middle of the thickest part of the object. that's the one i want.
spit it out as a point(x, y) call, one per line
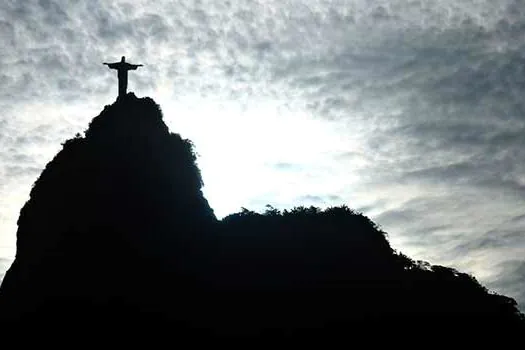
point(117, 231)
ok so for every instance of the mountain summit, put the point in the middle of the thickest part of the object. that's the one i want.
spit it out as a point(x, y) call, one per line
point(117, 231)
point(106, 216)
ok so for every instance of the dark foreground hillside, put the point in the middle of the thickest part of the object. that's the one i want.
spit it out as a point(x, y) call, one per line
point(117, 231)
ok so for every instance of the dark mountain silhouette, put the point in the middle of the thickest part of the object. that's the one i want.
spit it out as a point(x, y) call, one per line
point(117, 231)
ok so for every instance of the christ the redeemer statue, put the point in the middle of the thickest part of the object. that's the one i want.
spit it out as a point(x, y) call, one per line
point(122, 67)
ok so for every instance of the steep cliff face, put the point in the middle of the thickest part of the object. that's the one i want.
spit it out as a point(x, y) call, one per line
point(107, 212)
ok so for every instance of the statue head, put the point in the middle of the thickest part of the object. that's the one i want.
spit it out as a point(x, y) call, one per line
point(123, 59)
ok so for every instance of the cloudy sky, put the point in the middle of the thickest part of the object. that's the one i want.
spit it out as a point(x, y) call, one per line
point(409, 111)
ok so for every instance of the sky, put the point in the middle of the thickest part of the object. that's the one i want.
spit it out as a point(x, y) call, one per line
point(411, 112)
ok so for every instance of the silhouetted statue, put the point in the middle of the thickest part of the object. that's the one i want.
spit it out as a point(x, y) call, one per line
point(122, 67)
